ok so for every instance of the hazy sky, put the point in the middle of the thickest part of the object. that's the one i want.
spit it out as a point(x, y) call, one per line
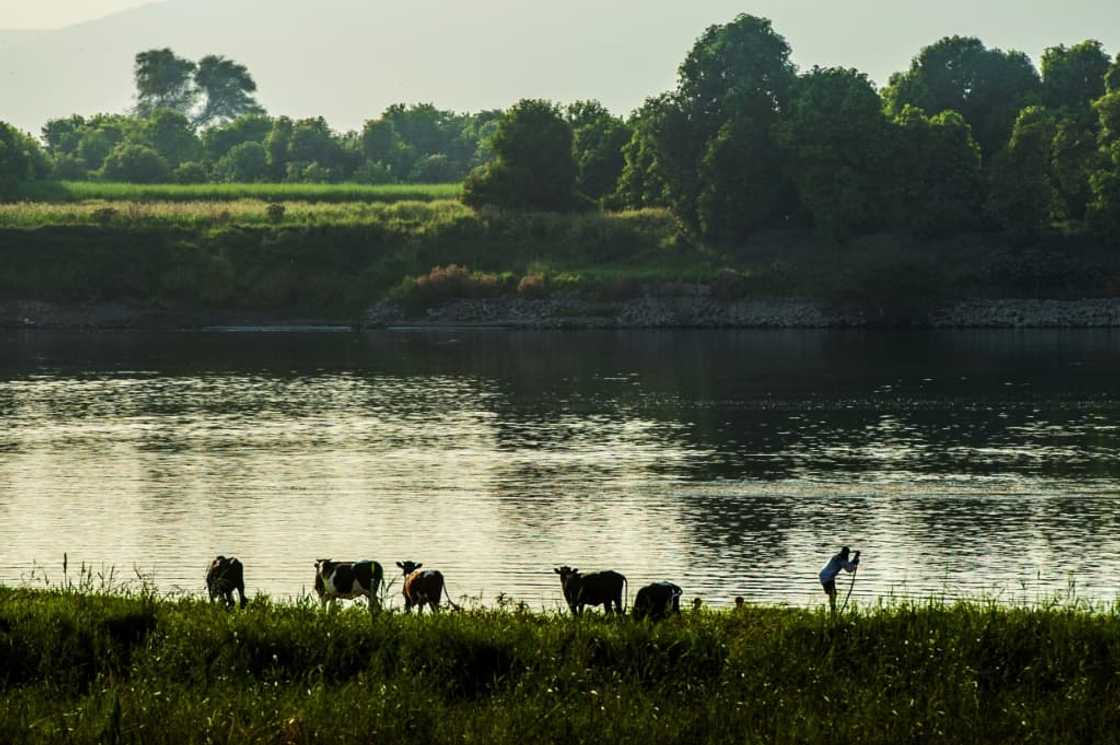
point(46, 14)
point(348, 59)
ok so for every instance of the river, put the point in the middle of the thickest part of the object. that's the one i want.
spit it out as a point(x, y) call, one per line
point(962, 463)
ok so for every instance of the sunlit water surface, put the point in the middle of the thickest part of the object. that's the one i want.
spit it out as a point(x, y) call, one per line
point(962, 463)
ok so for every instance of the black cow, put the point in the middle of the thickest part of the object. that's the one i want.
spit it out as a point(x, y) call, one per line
point(657, 600)
point(348, 579)
point(422, 588)
point(597, 588)
point(223, 577)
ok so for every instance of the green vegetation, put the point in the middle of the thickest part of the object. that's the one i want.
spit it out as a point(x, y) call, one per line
point(85, 667)
point(84, 191)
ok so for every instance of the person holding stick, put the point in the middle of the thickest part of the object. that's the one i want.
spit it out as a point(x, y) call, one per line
point(832, 568)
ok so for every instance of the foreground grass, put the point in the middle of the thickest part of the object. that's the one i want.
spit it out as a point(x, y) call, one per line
point(79, 667)
point(79, 191)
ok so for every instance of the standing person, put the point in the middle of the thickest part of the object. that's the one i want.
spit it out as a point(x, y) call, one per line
point(832, 568)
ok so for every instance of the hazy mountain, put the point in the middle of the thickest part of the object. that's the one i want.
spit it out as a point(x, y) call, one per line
point(348, 59)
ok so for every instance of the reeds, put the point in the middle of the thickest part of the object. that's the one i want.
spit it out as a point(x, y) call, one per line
point(97, 667)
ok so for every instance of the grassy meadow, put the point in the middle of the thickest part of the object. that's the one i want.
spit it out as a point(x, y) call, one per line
point(92, 667)
point(80, 191)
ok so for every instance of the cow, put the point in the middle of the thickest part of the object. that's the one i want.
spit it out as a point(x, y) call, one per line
point(223, 577)
point(423, 588)
point(657, 600)
point(347, 580)
point(597, 588)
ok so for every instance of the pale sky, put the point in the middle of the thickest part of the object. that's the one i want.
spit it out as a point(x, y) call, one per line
point(348, 59)
point(50, 14)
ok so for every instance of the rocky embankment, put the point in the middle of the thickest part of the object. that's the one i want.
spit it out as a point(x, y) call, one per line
point(703, 311)
point(697, 309)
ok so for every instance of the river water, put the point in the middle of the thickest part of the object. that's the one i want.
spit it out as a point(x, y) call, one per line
point(976, 463)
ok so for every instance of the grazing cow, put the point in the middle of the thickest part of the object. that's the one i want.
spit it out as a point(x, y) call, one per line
point(223, 577)
point(423, 588)
point(348, 579)
point(597, 588)
point(657, 600)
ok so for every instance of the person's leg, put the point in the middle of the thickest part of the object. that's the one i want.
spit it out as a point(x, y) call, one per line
point(830, 589)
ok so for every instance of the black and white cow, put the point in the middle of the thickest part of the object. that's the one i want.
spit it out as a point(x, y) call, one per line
point(223, 577)
point(347, 580)
point(598, 588)
point(657, 600)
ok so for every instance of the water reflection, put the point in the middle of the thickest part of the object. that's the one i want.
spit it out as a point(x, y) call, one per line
point(733, 462)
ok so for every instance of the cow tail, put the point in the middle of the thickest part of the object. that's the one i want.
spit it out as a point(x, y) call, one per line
point(450, 602)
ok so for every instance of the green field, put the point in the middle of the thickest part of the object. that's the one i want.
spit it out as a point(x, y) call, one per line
point(83, 667)
point(80, 191)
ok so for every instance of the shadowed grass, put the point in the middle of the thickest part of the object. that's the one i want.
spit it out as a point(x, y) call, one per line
point(84, 667)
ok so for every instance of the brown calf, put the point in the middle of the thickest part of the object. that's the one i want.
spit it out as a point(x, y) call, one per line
point(423, 588)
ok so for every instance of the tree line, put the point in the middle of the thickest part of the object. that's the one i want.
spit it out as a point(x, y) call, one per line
point(969, 137)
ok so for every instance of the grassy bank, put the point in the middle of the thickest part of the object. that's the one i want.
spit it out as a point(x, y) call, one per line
point(324, 259)
point(80, 191)
point(333, 260)
point(79, 667)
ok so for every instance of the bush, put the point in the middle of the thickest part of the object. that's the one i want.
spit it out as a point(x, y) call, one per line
point(138, 164)
point(534, 166)
point(190, 173)
point(21, 159)
point(246, 162)
point(532, 285)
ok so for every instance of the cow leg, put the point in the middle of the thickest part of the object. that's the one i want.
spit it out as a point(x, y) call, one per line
point(241, 594)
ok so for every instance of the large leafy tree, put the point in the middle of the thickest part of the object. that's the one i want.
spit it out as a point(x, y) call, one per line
point(988, 87)
point(598, 138)
point(1021, 194)
point(640, 183)
point(226, 88)
point(833, 136)
point(934, 173)
point(721, 168)
point(1073, 77)
point(533, 166)
point(164, 81)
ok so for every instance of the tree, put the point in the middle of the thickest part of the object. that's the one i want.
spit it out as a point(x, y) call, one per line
point(63, 135)
point(1072, 78)
point(312, 141)
point(164, 81)
point(1021, 194)
point(243, 163)
point(1074, 156)
point(934, 173)
point(833, 137)
point(597, 141)
point(172, 135)
point(988, 87)
point(277, 144)
point(533, 166)
point(227, 89)
point(135, 163)
point(219, 139)
point(382, 144)
point(722, 171)
point(1112, 77)
point(21, 159)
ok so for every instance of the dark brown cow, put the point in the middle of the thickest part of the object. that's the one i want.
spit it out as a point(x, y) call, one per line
point(597, 588)
point(657, 600)
point(348, 579)
point(423, 588)
point(223, 577)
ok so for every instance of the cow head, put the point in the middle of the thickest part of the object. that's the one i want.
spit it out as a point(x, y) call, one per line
point(322, 568)
point(408, 567)
point(570, 580)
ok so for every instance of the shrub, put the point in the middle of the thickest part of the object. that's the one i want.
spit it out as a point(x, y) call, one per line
point(190, 173)
point(532, 285)
point(275, 212)
point(134, 163)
